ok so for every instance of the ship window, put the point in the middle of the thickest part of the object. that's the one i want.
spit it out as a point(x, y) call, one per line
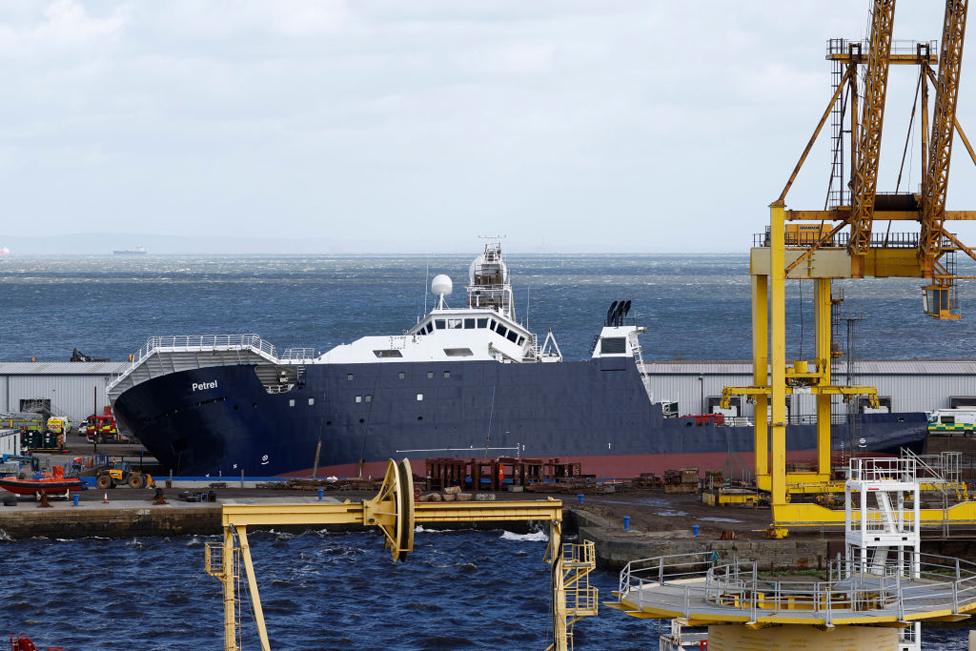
point(420, 417)
point(359, 399)
point(613, 345)
point(420, 397)
point(469, 324)
point(458, 352)
point(512, 336)
point(482, 323)
point(502, 330)
point(430, 375)
point(521, 340)
point(492, 324)
point(368, 398)
point(362, 420)
point(401, 375)
point(311, 401)
point(439, 323)
point(454, 323)
point(447, 374)
point(328, 423)
point(388, 353)
point(291, 403)
point(430, 327)
point(948, 420)
point(349, 377)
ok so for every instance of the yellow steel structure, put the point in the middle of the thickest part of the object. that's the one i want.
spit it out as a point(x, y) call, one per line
point(394, 511)
point(865, 182)
point(813, 249)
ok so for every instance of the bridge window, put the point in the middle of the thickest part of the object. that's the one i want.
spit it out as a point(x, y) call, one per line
point(512, 336)
point(469, 324)
point(502, 330)
point(521, 340)
point(482, 323)
point(613, 345)
point(454, 323)
point(439, 323)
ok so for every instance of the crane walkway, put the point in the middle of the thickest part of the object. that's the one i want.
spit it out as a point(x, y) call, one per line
point(696, 588)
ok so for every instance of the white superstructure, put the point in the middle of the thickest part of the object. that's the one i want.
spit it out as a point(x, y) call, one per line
point(486, 329)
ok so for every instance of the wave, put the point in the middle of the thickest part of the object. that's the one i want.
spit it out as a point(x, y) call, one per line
point(535, 536)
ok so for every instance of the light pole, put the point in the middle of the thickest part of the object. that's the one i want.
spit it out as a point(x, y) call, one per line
point(701, 388)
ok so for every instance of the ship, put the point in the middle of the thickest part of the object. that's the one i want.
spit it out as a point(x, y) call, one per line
point(139, 250)
point(463, 382)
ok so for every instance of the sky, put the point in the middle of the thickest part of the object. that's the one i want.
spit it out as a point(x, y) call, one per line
point(385, 126)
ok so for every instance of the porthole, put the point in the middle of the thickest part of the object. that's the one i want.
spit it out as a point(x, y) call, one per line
point(420, 417)
point(401, 375)
point(311, 401)
point(447, 374)
point(362, 420)
point(349, 377)
point(430, 375)
point(291, 402)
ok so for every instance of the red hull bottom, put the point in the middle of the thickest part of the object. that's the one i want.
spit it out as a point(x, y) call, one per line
point(621, 466)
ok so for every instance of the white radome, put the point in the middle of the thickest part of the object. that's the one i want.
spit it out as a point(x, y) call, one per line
point(441, 285)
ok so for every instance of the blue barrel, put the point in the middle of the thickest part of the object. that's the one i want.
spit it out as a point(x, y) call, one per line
point(321, 492)
point(74, 499)
point(626, 523)
point(694, 530)
point(579, 497)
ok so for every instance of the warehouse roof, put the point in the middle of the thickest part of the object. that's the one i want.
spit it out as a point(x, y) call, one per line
point(61, 368)
point(867, 367)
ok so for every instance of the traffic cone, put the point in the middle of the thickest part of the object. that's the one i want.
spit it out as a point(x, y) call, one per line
point(105, 499)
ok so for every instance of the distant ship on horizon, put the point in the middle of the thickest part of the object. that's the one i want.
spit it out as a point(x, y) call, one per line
point(139, 250)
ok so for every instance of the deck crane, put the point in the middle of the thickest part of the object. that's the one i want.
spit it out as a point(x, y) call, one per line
point(809, 245)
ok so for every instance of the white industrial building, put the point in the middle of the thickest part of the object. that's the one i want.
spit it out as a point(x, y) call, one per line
point(72, 389)
point(903, 385)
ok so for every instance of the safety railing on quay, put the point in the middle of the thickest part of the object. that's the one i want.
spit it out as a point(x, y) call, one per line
point(900, 469)
point(698, 581)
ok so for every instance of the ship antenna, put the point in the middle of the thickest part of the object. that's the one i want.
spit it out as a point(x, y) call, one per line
point(426, 285)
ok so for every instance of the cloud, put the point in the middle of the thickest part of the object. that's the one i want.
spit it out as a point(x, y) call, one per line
point(677, 122)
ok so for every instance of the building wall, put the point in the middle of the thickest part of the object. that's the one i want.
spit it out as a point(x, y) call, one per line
point(908, 393)
point(71, 395)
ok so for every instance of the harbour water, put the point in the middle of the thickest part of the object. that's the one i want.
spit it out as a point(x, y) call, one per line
point(458, 590)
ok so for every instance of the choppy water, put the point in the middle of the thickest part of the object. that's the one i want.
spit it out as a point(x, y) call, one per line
point(695, 307)
point(463, 590)
point(458, 590)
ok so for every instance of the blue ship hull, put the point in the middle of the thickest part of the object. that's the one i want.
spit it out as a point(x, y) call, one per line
point(222, 420)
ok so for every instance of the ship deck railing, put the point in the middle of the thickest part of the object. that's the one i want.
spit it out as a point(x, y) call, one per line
point(198, 344)
point(702, 588)
point(204, 343)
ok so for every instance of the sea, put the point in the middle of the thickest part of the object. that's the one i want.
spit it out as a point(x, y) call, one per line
point(331, 590)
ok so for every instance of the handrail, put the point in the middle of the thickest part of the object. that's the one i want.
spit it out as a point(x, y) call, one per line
point(941, 583)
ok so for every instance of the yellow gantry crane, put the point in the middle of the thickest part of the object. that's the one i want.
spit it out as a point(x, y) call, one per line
point(811, 245)
point(395, 513)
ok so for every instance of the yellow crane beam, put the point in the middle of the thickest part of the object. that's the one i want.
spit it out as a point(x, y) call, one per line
point(935, 185)
point(394, 511)
point(872, 121)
